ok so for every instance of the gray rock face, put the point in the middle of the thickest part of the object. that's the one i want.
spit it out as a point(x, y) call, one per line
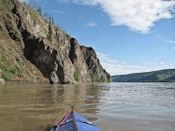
point(79, 62)
point(51, 62)
point(2, 81)
point(58, 57)
point(98, 74)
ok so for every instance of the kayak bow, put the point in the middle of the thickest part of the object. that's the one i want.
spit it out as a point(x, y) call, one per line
point(74, 122)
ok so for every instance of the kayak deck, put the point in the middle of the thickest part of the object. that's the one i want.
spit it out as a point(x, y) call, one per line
point(74, 122)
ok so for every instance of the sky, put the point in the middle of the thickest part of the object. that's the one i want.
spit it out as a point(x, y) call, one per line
point(129, 36)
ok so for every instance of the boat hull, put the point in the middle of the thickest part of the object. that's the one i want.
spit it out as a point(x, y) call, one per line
point(75, 122)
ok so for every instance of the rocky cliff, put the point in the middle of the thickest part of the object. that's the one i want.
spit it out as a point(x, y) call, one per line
point(32, 49)
point(96, 70)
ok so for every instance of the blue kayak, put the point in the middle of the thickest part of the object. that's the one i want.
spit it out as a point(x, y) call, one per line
point(74, 122)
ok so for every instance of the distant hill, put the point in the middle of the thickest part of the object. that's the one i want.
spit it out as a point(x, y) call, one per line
point(167, 75)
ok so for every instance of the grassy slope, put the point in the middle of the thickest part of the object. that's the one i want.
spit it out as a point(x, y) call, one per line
point(13, 64)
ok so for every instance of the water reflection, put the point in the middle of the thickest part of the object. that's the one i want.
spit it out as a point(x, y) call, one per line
point(34, 107)
point(111, 106)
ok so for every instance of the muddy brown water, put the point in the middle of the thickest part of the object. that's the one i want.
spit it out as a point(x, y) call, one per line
point(111, 106)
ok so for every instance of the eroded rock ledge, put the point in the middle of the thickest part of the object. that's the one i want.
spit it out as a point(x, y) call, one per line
point(43, 50)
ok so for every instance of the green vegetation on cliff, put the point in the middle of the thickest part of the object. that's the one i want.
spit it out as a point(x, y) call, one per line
point(76, 77)
point(9, 69)
point(33, 49)
point(13, 66)
point(167, 75)
point(6, 5)
point(97, 73)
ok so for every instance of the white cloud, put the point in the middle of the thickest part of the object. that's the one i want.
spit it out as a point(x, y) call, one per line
point(63, 0)
point(162, 63)
point(91, 24)
point(105, 59)
point(26, 1)
point(58, 11)
point(138, 15)
point(115, 67)
point(30, 1)
point(171, 42)
point(155, 63)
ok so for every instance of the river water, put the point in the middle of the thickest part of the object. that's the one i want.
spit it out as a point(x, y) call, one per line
point(111, 106)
